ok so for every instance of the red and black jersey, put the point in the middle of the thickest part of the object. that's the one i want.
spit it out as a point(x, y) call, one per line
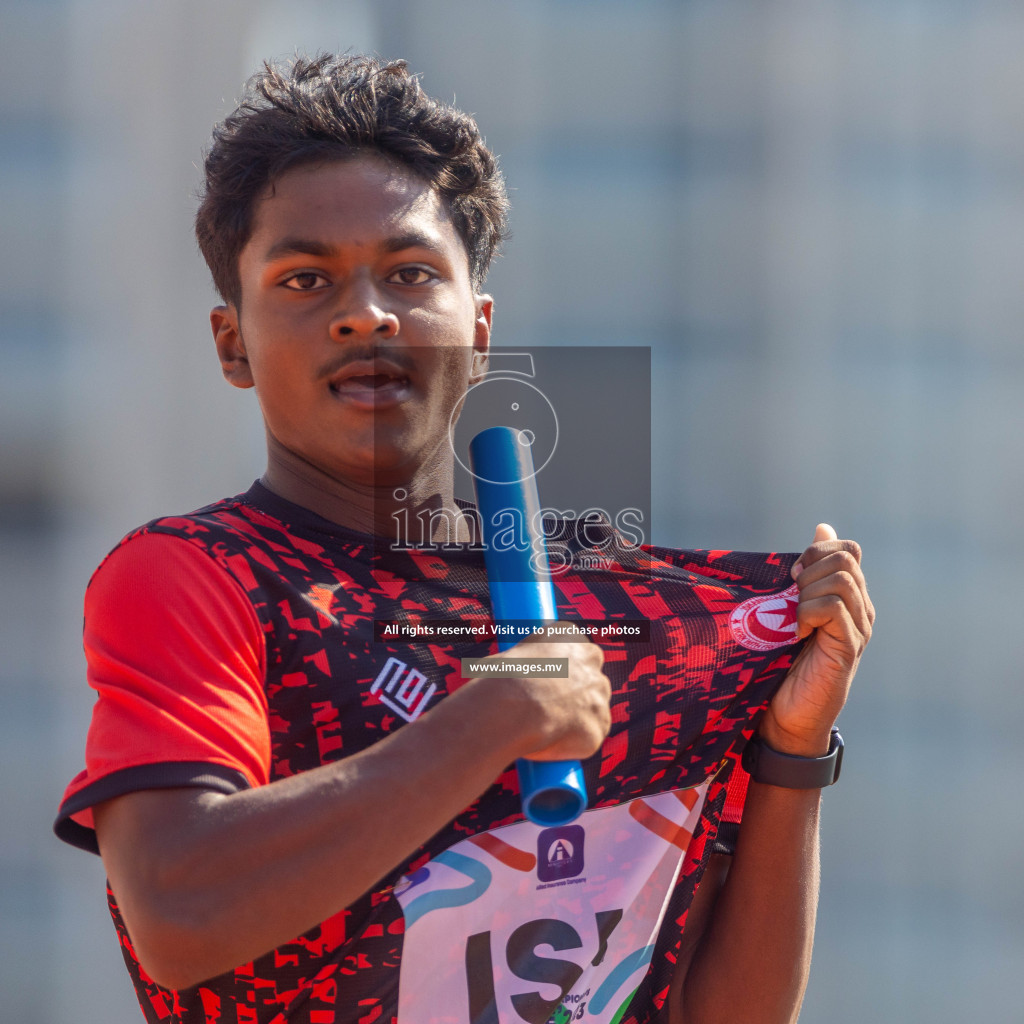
point(236, 646)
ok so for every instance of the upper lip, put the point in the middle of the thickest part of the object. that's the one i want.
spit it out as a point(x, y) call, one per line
point(367, 368)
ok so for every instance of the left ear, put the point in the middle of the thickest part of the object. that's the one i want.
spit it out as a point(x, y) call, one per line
point(481, 337)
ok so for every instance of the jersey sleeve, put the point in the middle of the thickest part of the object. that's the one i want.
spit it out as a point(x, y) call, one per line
point(175, 652)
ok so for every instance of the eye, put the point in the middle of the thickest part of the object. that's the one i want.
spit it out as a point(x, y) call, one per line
point(412, 276)
point(305, 281)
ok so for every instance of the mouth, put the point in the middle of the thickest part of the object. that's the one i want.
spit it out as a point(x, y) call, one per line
point(375, 386)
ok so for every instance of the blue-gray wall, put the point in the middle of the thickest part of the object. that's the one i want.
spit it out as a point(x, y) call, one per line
point(812, 212)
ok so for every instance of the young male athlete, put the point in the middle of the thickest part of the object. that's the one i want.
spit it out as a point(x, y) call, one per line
point(291, 835)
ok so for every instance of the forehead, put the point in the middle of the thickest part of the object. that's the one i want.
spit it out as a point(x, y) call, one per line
point(359, 201)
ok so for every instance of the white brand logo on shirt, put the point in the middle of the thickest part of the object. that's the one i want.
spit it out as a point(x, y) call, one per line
point(402, 689)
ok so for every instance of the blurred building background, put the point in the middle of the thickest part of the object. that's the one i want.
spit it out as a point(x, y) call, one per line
point(814, 215)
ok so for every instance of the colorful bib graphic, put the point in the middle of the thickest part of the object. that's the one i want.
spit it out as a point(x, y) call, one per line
point(765, 622)
point(531, 924)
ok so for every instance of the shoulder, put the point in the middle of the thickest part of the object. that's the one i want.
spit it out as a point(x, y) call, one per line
point(195, 545)
point(161, 587)
point(218, 522)
point(180, 565)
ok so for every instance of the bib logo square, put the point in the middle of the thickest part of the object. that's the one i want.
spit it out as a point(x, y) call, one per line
point(560, 853)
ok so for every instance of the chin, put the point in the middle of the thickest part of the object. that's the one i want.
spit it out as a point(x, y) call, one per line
point(377, 468)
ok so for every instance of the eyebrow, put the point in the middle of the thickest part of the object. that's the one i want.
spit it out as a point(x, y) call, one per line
point(295, 246)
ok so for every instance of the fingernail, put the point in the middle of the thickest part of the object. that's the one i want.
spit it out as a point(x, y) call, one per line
point(798, 567)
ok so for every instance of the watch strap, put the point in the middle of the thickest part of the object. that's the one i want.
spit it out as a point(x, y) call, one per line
point(773, 768)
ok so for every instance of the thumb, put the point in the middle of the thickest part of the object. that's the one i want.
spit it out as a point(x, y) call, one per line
point(824, 532)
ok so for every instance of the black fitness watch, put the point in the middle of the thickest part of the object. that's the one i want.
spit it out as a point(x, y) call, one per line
point(789, 771)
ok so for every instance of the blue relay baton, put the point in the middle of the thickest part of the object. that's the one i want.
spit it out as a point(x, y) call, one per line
point(553, 792)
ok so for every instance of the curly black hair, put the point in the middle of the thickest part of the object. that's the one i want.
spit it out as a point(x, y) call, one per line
point(329, 108)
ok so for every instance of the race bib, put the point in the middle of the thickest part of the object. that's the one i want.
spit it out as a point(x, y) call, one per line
point(543, 924)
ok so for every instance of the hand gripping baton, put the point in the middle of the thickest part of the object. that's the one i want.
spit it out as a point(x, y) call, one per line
point(553, 792)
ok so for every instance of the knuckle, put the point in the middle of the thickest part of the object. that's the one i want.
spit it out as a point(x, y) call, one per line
point(817, 609)
point(848, 561)
point(846, 579)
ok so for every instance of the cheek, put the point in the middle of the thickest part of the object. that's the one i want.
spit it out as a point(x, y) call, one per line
point(453, 374)
point(267, 352)
point(448, 318)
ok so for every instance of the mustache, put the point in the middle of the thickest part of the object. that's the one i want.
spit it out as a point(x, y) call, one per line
point(397, 358)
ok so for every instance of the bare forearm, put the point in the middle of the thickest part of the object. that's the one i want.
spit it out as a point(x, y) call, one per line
point(247, 872)
point(748, 956)
point(206, 882)
point(753, 962)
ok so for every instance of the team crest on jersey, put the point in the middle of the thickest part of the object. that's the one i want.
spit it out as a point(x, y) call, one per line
point(767, 621)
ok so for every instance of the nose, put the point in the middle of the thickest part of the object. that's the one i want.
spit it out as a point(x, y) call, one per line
point(361, 314)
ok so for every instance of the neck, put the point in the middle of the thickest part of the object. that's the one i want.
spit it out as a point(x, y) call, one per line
point(416, 508)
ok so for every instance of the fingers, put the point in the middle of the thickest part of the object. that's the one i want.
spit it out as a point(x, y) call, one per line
point(839, 571)
point(578, 716)
point(829, 571)
point(825, 532)
point(836, 604)
point(571, 715)
point(823, 546)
